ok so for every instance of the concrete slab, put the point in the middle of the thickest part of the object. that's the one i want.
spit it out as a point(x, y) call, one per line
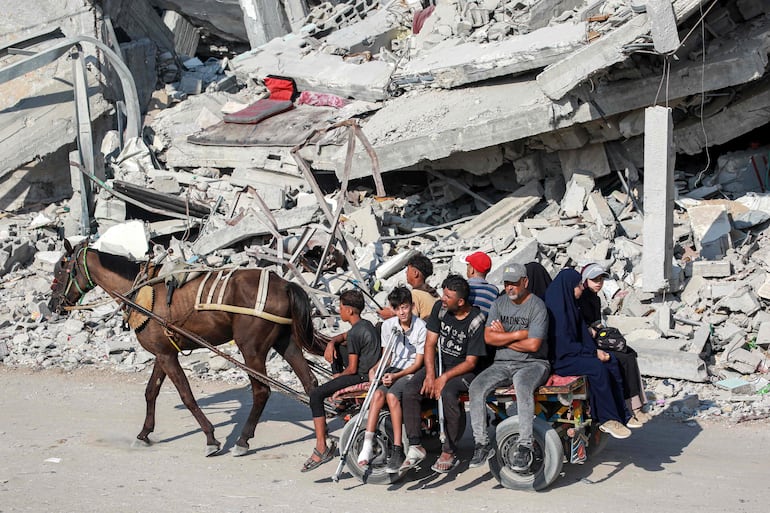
point(222, 235)
point(504, 213)
point(453, 63)
point(561, 77)
point(315, 71)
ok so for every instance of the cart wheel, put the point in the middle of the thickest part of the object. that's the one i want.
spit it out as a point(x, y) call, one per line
point(547, 451)
point(382, 445)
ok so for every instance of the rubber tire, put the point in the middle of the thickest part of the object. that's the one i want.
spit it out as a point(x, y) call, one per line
point(383, 441)
point(548, 457)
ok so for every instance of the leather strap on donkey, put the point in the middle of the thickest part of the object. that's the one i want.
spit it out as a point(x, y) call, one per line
point(221, 282)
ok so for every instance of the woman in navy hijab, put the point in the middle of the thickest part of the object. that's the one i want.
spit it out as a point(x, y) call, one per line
point(574, 353)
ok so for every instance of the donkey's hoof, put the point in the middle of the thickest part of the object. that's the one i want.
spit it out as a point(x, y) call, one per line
point(240, 450)
point(211, 450)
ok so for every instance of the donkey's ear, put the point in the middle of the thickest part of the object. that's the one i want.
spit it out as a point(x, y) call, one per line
point(67, 246)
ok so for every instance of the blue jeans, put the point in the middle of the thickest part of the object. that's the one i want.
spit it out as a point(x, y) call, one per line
point(525, 376)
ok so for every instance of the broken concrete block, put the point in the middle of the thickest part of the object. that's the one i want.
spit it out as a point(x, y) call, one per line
point(672, 364)
point(663, 317)
point(579, 187)
point(126, 239)
point(365, 225)
point(711, 230)
point(528, 168)
point(633, 307)
point(628, 250)
point(579, 248)
point(763, 335)
point(743, 360)
point(270, 186)
point(711, 268)
point(691, 295)
point(526, 251)
point(742, 300)
point(556, 235)
point(601, 213)
point(166, 184)
point(590, 159)
point(663, 29)
point(46, 260)
point(186, 35)
point(764, 290)
point(736, 386)
point(699, 340)
point(108, 212)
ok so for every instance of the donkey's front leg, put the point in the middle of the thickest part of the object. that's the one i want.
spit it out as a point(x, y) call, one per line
point(176, 374)
point(151, 395)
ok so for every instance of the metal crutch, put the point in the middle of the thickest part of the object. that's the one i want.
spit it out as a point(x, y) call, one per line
point(441, 427)
point(378, 373)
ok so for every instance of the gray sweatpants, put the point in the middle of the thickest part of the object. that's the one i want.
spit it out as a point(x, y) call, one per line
point(526, 377)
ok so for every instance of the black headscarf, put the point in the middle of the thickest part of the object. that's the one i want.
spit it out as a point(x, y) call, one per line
point(539, 279)
point(590, 306)
point(568, 333)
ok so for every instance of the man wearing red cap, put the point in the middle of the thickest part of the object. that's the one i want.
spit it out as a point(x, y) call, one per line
point(483, 293)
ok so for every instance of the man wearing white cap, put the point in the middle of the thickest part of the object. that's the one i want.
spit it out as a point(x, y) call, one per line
point(482, 292)
point(517, 326)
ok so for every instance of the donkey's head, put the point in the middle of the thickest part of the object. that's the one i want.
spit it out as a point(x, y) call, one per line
point(70, 278)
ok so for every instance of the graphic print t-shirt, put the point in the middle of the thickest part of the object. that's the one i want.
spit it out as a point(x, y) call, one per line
point(458, 338)
point(531, 315)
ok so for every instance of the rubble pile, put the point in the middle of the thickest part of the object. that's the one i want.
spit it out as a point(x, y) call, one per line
point(511, 127)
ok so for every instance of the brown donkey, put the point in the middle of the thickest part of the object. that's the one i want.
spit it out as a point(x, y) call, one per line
point(282, 313)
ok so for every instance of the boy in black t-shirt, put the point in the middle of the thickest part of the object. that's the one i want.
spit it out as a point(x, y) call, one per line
point(363, 351)
point(456, 328)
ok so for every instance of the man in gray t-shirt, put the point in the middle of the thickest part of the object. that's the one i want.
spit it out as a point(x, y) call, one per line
point(517, 326)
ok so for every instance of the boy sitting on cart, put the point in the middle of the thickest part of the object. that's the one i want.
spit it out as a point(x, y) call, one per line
point(407, 332)
point(360, 351)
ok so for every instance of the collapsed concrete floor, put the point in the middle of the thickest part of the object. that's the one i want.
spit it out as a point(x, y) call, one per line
point(515, 128)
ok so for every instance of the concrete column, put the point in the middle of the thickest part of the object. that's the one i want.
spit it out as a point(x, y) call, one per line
point(264, 21)
point(658, 225)
point(296, 11)
point(665, 36)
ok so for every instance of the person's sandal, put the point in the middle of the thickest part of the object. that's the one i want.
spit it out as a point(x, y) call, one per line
point(326, 456)
point(445, 466)
point(414, 457)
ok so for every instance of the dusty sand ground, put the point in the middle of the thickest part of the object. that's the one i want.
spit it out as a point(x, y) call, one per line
point(68, 446)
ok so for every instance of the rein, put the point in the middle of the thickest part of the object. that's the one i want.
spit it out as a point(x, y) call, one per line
point(72, 280)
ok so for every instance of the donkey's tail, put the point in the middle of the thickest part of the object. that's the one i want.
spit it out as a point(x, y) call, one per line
point(302, 325)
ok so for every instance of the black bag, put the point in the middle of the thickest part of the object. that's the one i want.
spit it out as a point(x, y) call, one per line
point(610, 339)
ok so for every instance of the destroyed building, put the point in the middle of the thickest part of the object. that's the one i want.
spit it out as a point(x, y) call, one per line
point(331, 140)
